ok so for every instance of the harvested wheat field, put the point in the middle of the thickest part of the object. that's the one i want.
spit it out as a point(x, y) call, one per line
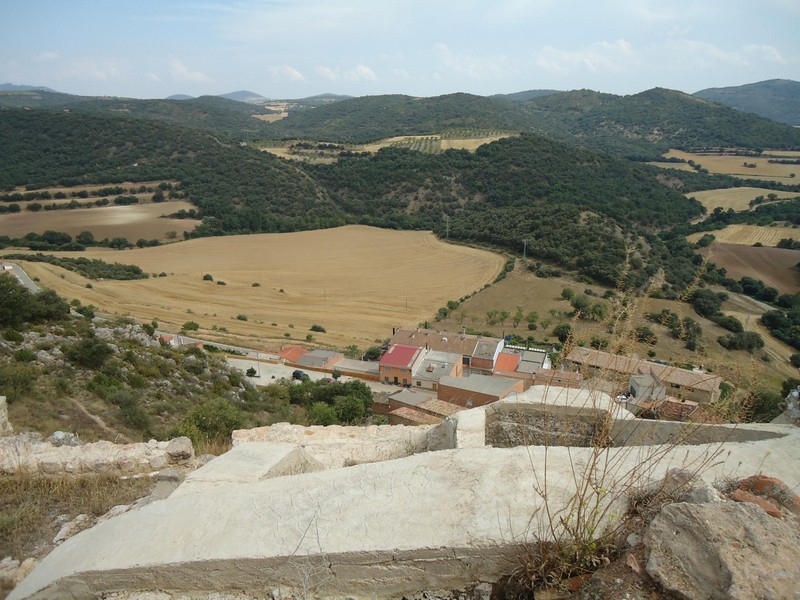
point(736, 198)
point(747, 235)
point(735, 165)
point(136, 221)
point(776, 267)
point(357, 282)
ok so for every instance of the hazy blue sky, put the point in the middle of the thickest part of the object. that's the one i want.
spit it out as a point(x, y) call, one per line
point(297, 48)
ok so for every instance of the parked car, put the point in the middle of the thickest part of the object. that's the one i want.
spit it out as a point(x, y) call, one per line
point(299, 375)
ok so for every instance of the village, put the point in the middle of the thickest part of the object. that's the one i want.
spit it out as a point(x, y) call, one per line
point(425, 376)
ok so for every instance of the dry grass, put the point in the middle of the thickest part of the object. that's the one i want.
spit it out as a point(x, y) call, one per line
point(736, 198)
point(33, 508)
point(133, 222)
point(357, 282)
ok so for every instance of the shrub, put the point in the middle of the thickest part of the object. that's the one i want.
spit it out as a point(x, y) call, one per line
point(12, 335)
point(191, 326)
point(242, 317)
point(318, 328)
point(220, 282)
point(212, 421)
point(90, 352)
point(321, 413)
point(208, 277)
point(24, 355)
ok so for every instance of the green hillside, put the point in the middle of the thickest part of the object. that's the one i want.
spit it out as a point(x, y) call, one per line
point(370, 118)
point(776, 99)
point(647, 124)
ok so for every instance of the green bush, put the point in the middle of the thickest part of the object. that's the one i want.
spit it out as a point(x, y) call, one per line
point(191, 326)
point(321, 413)
point(12, 335)
point(242, 317)
point(212, 421)
point(90, 352)
point(208, 277)
point(318, 328)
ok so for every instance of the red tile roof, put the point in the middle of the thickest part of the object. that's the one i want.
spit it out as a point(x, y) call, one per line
point(292, 354)
point(507, 362)
point(399, 355)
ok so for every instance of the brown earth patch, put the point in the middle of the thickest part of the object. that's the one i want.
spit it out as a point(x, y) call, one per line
point(776, 267)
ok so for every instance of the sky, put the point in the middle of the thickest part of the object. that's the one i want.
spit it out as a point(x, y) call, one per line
point(298, 48)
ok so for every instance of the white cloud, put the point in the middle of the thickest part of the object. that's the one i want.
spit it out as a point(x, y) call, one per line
point(327, 73)
point(466, 64)
point(764, 53)
point(601, 57)
point(361, 73)
point(285, 73)
point(47, 56)
point(180, 72)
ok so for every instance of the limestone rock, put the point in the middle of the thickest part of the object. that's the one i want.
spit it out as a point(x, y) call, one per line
point(723, 550)
point(69, 529)
point(5, 425)
point(63, 438)
point(180, 450)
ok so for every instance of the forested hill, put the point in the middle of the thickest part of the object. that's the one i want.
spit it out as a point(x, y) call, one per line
point(214, 114)
point(647, 124)
point(44, 148)
point(776, 99)
point(576, 208)
point(370, 118)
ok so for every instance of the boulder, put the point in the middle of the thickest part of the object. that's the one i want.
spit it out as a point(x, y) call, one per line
point(180, 450)
point(723, 550)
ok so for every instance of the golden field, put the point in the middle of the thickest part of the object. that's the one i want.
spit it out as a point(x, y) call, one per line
point(734, 165)
point(357, 282)
point(736, 198)
point(747, 235)
point(135, 221)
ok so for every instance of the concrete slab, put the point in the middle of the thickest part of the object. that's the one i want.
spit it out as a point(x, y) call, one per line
point(248, 463)
point(446, 518)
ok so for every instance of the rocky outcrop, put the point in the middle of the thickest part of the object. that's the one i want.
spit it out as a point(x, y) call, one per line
point(723, 550)
point(20, 454)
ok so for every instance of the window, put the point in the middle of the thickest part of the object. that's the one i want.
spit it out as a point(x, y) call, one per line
point(419, 383)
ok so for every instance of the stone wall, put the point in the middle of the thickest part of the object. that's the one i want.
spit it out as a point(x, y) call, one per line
point(20, 454)
point(510, 425)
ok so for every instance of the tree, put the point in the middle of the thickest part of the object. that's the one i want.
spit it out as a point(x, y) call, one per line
point(567, 293)
point(321, 413)
point(85, 237)
point(563, 332)
point(90, 352)
point(190, 326)
point(251, 372)
point(518, 316)
point(349, 409)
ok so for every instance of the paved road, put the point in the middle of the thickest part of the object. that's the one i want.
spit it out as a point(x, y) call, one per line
point(22, 276)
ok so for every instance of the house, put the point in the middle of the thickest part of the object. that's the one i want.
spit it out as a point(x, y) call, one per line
point(291, 354)
point(646, 388)
point(696, 385)
point(558, 378)
point(478, 353)
point(477, 390)
point(434, 366)
point(521, 363)
point(320, 360)
point(398, 363)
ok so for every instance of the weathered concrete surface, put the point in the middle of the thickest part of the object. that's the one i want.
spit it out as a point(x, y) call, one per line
point(247, 463)
point(337, 446)
point(432, 520)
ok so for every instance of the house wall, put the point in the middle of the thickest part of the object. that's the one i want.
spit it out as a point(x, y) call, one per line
point(429, 384)
point(388, 374)
point(460, 396)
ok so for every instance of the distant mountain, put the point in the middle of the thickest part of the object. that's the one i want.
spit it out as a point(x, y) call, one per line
point(646, 124)
point(10, 87)
point(525, 96)
point(180, 97)
point(776, 99)
point(359, 120)
point(245, 96)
